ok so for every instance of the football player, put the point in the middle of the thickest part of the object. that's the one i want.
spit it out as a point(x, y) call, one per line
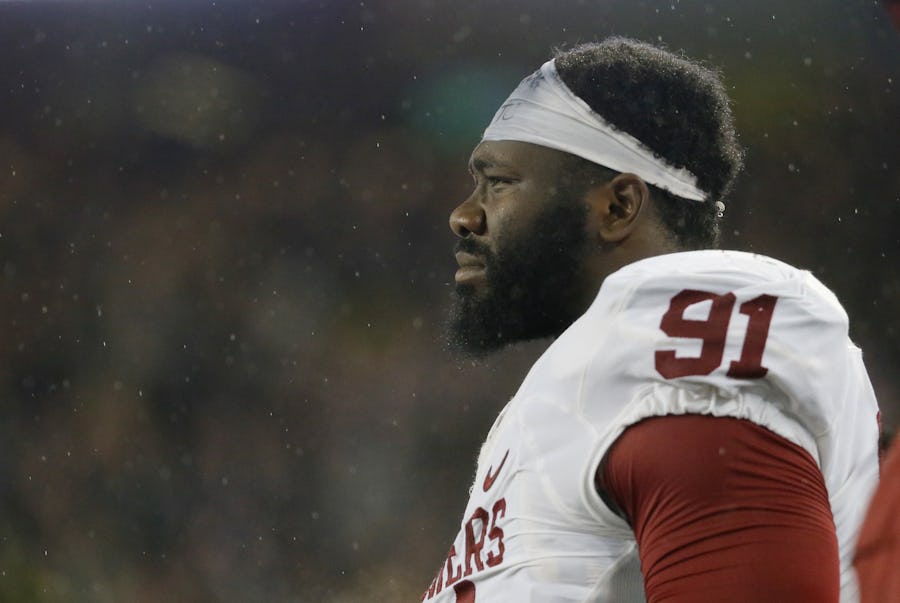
point(878, 550)
point(701, 428)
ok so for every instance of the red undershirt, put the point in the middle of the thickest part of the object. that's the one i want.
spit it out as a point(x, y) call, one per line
point(878, 550)
point(723, 510)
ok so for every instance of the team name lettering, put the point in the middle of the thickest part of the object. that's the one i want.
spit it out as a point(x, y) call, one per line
point(483, 547)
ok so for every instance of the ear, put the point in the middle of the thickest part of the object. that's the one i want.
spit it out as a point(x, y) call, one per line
point(616, 207)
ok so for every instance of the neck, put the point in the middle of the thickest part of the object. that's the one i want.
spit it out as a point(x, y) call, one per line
point(649, 241)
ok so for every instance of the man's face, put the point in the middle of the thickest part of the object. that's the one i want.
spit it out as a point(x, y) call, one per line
point(521, 250)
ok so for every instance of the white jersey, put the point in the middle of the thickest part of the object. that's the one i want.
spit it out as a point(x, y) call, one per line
point(719, 333)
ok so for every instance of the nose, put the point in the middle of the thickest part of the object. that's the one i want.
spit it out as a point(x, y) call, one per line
point(468, 218)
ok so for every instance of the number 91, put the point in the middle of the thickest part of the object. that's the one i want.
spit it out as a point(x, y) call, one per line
point(712, 332)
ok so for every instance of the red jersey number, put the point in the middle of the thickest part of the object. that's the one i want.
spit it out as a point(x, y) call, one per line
point(712, 332)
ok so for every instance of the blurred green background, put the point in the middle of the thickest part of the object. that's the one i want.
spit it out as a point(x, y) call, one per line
point(225, 260)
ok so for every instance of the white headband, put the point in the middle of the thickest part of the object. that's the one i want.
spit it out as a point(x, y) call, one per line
point(542, 110)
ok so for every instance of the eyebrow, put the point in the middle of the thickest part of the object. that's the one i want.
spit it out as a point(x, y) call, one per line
point(479, 164)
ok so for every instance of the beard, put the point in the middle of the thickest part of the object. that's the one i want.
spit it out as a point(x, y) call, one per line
point(533, 284)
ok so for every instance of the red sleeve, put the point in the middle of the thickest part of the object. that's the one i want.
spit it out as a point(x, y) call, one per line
point(878, 549)
point(723, 510)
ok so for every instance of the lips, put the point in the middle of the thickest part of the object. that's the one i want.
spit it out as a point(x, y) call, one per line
point(471, 268)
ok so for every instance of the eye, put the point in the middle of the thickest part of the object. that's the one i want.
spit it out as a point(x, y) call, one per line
point(498, 180)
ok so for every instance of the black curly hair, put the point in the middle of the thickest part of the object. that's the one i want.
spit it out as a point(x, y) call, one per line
point(675, 107)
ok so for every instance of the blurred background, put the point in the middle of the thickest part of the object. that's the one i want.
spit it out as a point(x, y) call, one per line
point(225, 261)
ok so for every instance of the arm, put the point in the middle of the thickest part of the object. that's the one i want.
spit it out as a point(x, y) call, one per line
point(878, 549)
point(723, 510)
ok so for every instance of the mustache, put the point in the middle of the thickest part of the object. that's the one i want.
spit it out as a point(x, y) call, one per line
point(473, 247)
